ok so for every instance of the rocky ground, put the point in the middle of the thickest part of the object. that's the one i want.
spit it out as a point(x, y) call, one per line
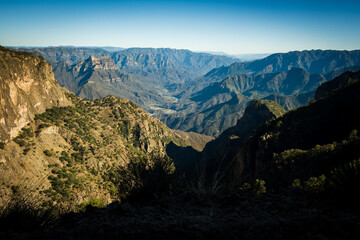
point(190, 216)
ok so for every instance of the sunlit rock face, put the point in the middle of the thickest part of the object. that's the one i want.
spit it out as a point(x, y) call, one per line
point(27, 87)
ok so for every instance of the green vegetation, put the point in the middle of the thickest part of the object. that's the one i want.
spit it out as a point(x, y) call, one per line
point(26, 133)
point(24, 136)
point(258, 187)
point(2, 145)
point(98, 203)
point(15, 189)
point(26, 150)
point(48, 153)
point(63, 182)
point(124, 128)
point(315, 184)
point(142, 177)
point(320, 160)
point(346, 179)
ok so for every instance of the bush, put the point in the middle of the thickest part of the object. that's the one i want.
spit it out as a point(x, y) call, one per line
point(78, 157)
point(245, 187)
point(26, 150)
point(15, 189)
point(315, 184)
point(65, 157)
point(19, 141)
point(143, 176)
point(2, 145)
point(296, 183)
point(98, 203)
point(48, 153)
point(26, 132)
point(346, 179)
point(259, 186)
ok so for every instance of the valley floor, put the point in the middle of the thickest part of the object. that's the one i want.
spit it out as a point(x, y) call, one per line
point(189, 216)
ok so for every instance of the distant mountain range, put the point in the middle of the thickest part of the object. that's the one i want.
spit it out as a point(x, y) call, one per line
point(199, 110)
point(313, 61)
point(189, 91)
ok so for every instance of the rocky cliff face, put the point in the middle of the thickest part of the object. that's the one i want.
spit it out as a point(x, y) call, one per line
point(98, 77)
point(27, 87)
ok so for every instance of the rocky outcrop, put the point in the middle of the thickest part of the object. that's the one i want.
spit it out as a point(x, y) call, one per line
point(99, 77)
point(27, 87)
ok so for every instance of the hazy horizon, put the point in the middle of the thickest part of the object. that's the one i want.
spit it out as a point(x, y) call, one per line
point(230, 27)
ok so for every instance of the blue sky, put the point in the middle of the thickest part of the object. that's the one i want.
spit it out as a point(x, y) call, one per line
point(234, 27)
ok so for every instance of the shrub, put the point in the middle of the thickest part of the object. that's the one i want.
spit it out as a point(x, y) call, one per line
point(48, 153)
point(315, 184)
point(19, 141)
point(26, 150)
point(346, 179)
point(296, 183)
point(26, 132)
point(65, 158)
point(98, 203)
point(143, 176)
point(15, 189)
point(78, 157)
point(259, 186)
point(353, 134)
point(245, 187)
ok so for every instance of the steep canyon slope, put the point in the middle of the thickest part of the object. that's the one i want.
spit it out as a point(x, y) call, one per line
point(70, 150)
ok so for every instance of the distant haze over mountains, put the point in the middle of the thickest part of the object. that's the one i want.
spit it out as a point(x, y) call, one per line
point(199, 92)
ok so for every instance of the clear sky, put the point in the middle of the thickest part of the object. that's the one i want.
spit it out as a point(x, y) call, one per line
point(234, 27)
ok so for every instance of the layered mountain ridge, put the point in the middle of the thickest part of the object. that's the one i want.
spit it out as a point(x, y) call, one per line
point(171, 85)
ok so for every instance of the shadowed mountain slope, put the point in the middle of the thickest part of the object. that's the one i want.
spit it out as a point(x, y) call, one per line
point(325, 123)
